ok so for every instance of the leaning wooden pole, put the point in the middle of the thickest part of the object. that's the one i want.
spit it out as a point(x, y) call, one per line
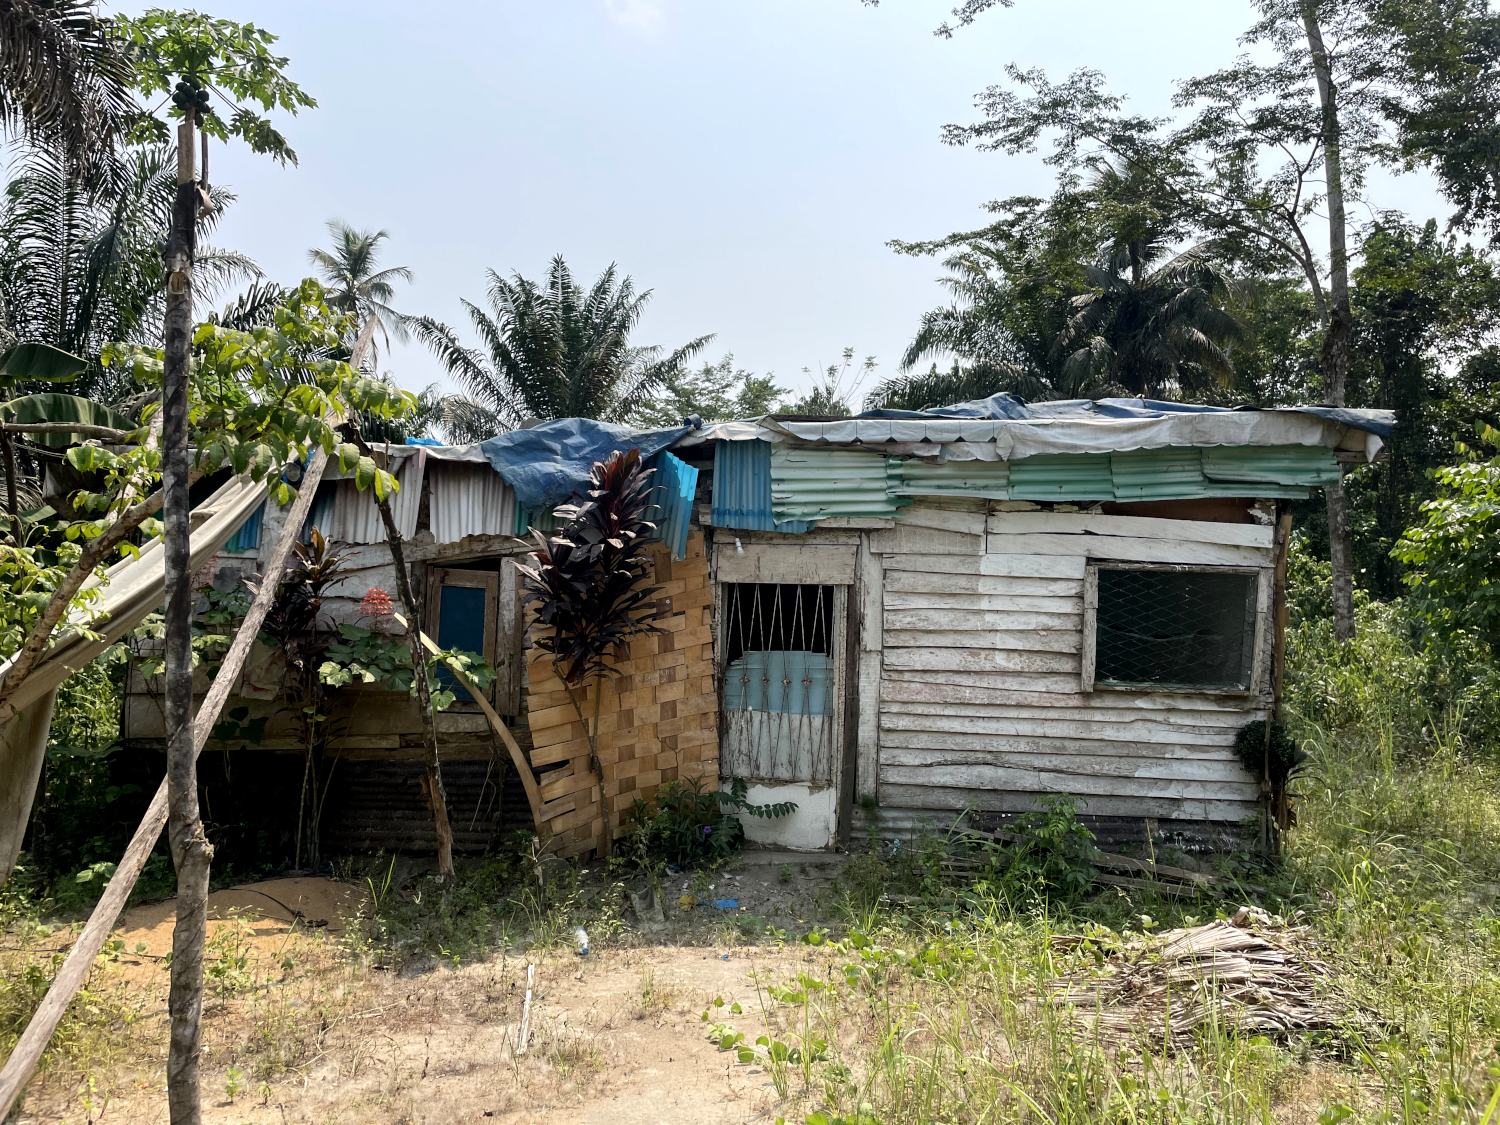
point(74, 973)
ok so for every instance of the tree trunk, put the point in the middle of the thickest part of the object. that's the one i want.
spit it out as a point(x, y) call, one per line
point(1339, 333)
point(12, 508)
point(191, 853)
point(436, 795)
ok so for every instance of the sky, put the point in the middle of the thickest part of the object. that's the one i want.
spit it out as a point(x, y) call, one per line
point(746, 160)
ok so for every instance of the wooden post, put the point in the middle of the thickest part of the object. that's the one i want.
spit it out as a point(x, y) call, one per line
point(192, 854)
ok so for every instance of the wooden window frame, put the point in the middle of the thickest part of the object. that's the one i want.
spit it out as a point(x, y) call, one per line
point(487, 580)
point(1264, 579)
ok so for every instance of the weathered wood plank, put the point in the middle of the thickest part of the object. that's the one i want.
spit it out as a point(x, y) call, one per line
point(1137, 730)
point(1205, 770)
point(964, 523)
point(908, 539)
point(1114, 702)
point(1033, 566)
point(935, 582)
point(1131, 550)
point(950, 742)
point(1043, 640)
point(792, 563)
point(895, 599)
point(899, 796)
point(1134, 527)
point(982, 777)
point(981, 660)
point(947, 617)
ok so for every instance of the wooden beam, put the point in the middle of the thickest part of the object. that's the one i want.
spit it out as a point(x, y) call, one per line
point(528, 778)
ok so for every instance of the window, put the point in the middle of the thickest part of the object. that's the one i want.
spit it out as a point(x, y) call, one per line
point(1172, 628)
point(780, 680)
point(476, 610)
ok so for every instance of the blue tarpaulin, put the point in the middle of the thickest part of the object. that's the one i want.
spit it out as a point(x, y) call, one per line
point(548, 463)
point(1008, 406)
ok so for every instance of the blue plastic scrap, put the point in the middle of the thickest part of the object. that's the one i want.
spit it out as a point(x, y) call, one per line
point(548, 463)
point(727, 903)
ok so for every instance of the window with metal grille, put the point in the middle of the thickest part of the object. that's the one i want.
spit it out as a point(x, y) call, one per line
point(780, 672)
point(1170, 627)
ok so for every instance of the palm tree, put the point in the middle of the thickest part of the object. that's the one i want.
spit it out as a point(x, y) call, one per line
point(1036, 317)
point(1154, 326)
point(80, 268)
point(355, 285)
point(65, 80)
point(556, 350)
point(996, 349)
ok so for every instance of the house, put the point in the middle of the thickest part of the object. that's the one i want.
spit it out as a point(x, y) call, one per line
point(889, 620)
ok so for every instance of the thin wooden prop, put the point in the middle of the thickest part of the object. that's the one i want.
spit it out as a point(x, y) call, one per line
point(523, 767)
point(525, 1033)
point(75, 970)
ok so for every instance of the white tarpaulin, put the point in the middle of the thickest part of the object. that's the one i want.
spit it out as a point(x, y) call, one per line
point(132, 588)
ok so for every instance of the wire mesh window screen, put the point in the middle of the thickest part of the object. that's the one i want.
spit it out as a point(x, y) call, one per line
point(1175, 628)
point(780, 681)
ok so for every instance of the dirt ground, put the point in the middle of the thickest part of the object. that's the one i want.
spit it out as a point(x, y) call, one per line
point(296, 1030)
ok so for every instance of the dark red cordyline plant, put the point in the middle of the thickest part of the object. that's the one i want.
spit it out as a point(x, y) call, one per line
point(585, 582)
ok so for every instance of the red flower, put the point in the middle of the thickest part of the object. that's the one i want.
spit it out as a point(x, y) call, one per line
point(377, 604)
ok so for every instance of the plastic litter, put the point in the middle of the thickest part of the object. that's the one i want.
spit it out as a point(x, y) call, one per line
point(727, 903)
point(581, 940)
point(687, 902)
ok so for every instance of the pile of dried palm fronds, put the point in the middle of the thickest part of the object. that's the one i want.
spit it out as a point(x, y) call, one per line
point(1251, 972)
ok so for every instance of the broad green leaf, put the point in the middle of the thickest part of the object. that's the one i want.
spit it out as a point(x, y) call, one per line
point(54, 407)
point(39, 363)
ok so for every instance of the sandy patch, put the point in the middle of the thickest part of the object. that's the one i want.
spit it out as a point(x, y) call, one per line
point(271, 909)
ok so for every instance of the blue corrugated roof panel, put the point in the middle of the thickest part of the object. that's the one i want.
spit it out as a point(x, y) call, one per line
point(742, 488)
point(814, 484)
point(247, 537)
point(675, 482)
point(1062, 476)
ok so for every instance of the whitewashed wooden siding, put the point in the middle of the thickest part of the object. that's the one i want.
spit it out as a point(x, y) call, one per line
point(980, 625)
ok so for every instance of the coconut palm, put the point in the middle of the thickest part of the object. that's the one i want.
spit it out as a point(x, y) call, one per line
point(997, 349)
point(355, 284)
point(556, 349)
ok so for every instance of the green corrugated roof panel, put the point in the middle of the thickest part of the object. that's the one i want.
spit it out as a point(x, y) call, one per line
point(1310, 466)
point(986, 479)
point(816, 484)
point(1062, 476)
point(1174, 473)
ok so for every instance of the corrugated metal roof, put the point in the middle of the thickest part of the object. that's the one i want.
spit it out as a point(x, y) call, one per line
point(814, 484)
point(1311, 466)
point(742, 488)
point(987, 479)
point(1062, 476)
point(1157, 474)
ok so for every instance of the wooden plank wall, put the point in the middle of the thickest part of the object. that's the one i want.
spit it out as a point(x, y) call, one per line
point(658, 722)
point(980, 693)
